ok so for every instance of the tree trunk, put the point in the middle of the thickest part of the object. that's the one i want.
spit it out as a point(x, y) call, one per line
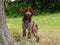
point(5, 38)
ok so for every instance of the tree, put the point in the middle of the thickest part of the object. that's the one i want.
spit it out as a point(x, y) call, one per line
point(5, 38)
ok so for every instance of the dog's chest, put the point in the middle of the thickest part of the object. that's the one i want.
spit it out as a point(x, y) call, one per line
point(27, 24)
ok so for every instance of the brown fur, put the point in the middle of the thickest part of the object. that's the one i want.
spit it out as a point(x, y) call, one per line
point(29, 24)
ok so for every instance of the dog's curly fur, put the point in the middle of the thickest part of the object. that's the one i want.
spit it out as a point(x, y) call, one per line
point(29, 24)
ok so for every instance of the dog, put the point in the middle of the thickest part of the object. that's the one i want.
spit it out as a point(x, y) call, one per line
point(29, 24)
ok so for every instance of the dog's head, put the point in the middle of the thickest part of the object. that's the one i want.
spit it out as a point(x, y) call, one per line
point(28, 12)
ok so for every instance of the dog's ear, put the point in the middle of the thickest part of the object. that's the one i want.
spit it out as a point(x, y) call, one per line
point(32, 11)
point(24, 10)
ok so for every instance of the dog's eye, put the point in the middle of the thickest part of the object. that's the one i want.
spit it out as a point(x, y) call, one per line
point(28, 13)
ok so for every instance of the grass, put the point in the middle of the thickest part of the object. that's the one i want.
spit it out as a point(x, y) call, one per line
point(49, 27)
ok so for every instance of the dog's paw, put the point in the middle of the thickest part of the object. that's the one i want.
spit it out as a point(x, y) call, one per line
point(36, 43)
point(28, 41)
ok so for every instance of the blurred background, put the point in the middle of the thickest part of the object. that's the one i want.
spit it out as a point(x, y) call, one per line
point(47, 16)
point(14, 7)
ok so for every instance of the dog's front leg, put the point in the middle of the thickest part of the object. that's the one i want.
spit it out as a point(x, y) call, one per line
point(29, 37)
point(24, 33)
point(29, 34)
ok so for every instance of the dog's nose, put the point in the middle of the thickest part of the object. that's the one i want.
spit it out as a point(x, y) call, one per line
point(28, 14)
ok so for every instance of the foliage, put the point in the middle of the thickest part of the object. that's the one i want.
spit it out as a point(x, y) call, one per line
point(15, 8)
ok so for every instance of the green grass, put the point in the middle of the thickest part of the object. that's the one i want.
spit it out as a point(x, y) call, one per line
point(49, 27)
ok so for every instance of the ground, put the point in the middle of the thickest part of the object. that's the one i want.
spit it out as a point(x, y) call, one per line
point(49, 28)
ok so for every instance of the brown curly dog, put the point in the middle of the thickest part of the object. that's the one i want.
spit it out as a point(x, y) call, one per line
point(29, 24)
